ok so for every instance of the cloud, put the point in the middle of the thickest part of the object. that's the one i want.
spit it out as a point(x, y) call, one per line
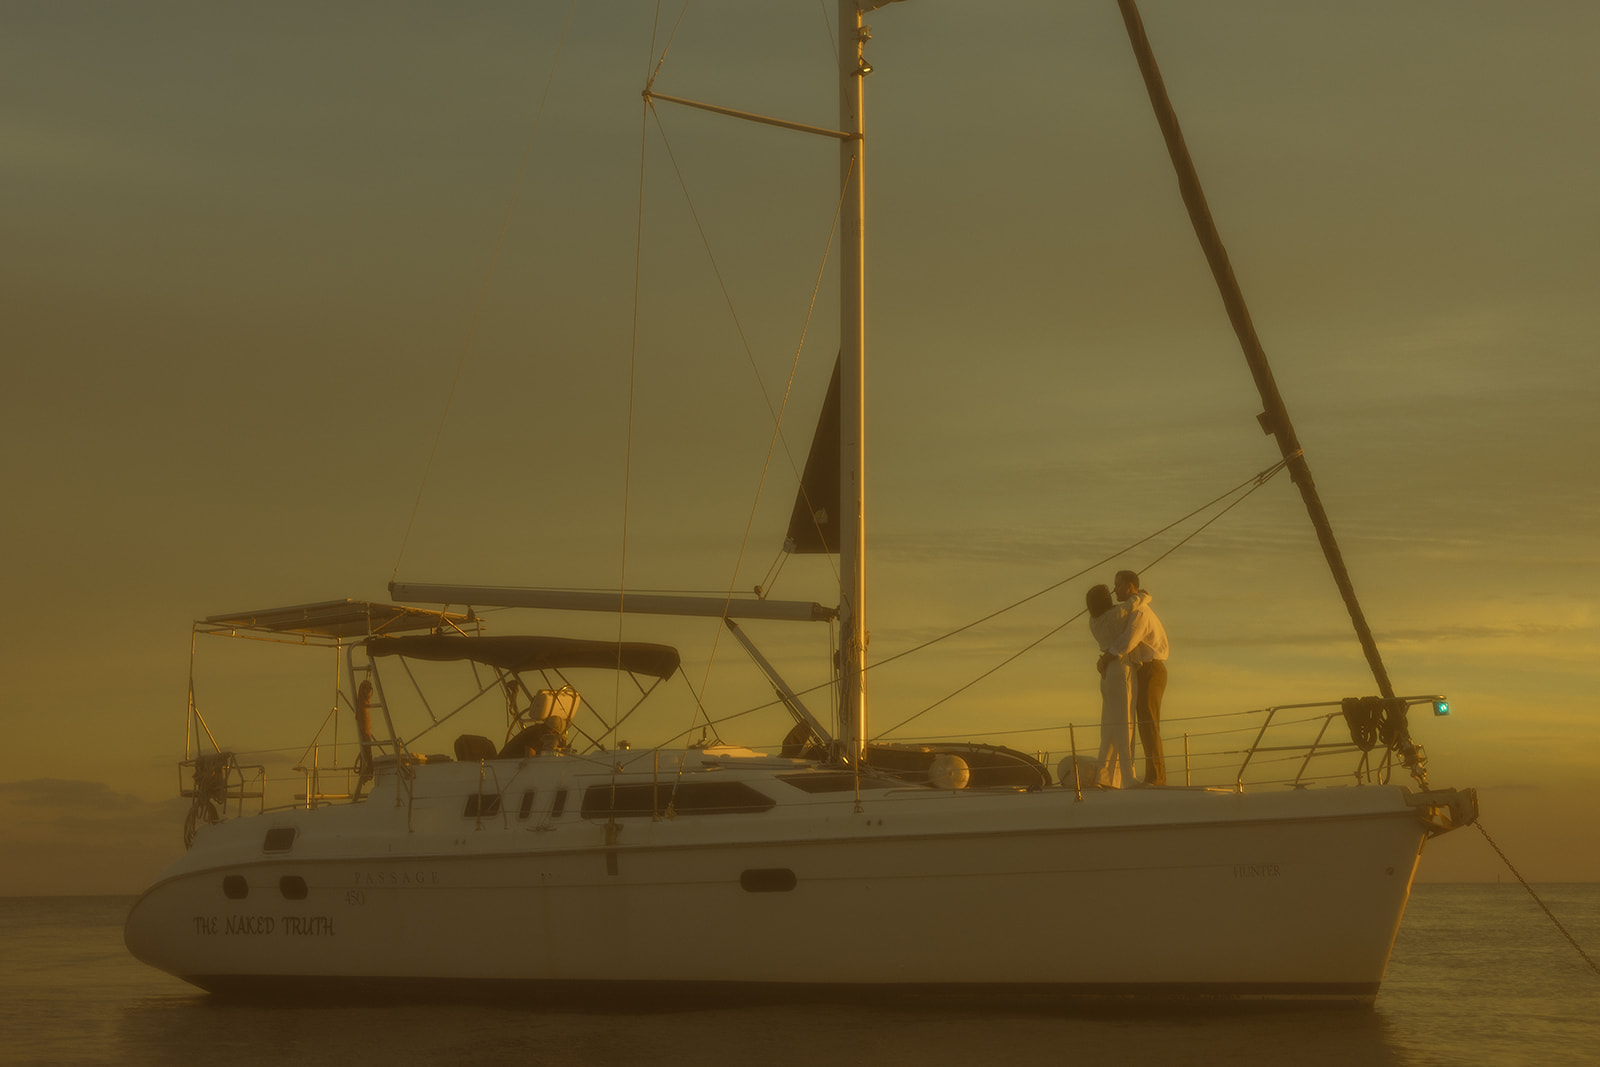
point(1462, 633)
point(66, 794)
point(66, 836)
point(1310, 638)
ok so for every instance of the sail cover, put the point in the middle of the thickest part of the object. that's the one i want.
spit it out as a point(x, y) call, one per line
point(814, 524)
point(533, 653)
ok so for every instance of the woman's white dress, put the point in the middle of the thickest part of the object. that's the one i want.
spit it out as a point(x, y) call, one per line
point(1116, 705)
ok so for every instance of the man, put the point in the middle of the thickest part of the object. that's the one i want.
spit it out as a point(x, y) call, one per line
point(1143, 644)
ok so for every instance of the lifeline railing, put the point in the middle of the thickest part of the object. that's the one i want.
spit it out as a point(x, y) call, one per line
point(222, 787)
point(1235, 766)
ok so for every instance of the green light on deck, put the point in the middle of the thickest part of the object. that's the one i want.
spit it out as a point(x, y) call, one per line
point(1441, 707)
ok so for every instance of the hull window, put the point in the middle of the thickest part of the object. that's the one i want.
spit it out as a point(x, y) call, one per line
point(481, 804)
point(292, 886)
point(234, 887)
point(837, 782)
point(689, 798)
point(527, 804)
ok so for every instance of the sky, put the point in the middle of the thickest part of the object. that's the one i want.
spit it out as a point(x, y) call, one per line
point(297, 298)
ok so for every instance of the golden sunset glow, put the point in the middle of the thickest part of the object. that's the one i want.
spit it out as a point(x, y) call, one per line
point(253, 258)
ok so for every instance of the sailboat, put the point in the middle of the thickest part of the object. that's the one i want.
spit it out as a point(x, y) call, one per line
point(540, 852)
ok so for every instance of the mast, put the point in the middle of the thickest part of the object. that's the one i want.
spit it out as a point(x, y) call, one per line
point(853, 69)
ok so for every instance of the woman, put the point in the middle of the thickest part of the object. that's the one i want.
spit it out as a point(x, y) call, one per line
point(1106, 619)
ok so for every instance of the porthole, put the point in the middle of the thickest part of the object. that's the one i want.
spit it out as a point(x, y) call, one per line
point(292, 886)
point(767, 880)
point(280, 839)
point(234, 887)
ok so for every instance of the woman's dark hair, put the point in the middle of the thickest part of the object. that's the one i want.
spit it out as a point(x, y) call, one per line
point(1098, 598)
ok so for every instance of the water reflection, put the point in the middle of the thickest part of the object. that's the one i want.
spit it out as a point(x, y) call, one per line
point(190, 1029)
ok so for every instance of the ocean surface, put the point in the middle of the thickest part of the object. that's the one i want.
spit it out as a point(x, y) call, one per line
point(1479, 976)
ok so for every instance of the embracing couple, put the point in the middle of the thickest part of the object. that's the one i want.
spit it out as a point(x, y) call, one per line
point(1133, 677)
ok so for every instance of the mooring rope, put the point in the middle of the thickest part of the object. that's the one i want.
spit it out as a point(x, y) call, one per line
point(1548, 913)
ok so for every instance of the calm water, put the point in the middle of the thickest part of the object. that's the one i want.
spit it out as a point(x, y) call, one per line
point(1479, 976)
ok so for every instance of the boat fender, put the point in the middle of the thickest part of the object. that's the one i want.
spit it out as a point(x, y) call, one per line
point(949, 772)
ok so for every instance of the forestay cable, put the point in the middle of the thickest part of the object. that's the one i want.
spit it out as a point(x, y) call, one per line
point(1254, 483)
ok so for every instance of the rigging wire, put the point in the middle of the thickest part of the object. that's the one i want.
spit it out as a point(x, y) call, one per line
point(1254, 483)
point(483, 292)
point(829, 27)
point(650, 79)
point(764, 587)
point(775, 413)
point(777, 416)
point(694, 214)
point(633, 372)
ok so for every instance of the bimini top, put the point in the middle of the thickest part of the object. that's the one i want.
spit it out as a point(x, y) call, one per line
point(533, 653)
point(332, 620)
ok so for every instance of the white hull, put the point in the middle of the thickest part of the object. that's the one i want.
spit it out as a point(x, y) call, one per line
point(771, 874)
point(1155, 891)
